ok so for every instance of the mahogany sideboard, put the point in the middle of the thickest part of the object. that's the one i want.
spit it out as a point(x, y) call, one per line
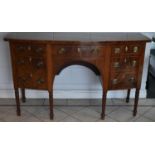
point(38, 57)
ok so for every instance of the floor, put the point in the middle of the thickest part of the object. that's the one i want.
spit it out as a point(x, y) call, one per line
point(117, 110)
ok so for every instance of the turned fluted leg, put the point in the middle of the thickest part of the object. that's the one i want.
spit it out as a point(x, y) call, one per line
point(17, 102)
point(136, 102)
point(128, 96)
point(23, 95)
point(103, 105)
point(51, 105)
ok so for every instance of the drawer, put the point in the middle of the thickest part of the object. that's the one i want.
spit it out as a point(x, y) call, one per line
point(34, 50)
point(131, 62)
point(117, 63)
point(133, 49)
point(30, 63)
point(31, 73)
point(124, 63)
point(34, 82)
point(90, 51)
point(126, 49)
point(121, 80)
point(78, 51)
point(63, 51)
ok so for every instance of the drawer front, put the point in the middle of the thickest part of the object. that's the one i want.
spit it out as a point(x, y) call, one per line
point(117, 50)
point(133, 49)
point(34, 50)
point(124, 63)
point(63, 51)
point(78, 51)
point(121, 80)
point(31, 73)
point(90, 51)
point(126, 49)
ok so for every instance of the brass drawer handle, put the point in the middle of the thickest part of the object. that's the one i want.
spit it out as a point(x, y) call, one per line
point(40, 81)
point(20, 48)
point(21, 62)
point(31, 75)
point(39, 49)
point(30, 59)
point(132, 79)
point(135, 49)
point(115, 81)
point(23, 79)
point(125, 60)
point(126, 49)
point(134, 63)
point(61, 51)
point(23, 48)
point(95, 51)
point(29, 48)
point(79, 50)
point(116, 65)
point(40, 64)
point(117, 50)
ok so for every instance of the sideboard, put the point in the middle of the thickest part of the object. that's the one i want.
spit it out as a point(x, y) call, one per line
point(38, 57)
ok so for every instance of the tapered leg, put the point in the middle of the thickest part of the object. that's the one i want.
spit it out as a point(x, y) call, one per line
point(23, 95)
point(51, 105)
point(103, 105)
point(128, 96)
point(17, 102)
point(136, 102)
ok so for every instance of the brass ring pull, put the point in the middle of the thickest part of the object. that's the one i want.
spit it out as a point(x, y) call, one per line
point(135, 49)
point(20, 48)
point(134, 63)
point(21, 62)
point(40, 64)
point(132, 79)
point(61, 51)
point(115, 81)
point(40, 81)
point(125, 60)
point(95, 51)
point(116, 64)
point(31, 75)
point(117, 50)
point(30, 59)
point(29, 48)
point(39, 49)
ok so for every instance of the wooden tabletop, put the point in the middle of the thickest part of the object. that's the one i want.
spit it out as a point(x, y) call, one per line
point(77, 36)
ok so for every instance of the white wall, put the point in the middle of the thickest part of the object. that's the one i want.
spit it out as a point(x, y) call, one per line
point(73, 82)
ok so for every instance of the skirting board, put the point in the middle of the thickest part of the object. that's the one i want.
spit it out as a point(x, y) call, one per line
point(72, 94)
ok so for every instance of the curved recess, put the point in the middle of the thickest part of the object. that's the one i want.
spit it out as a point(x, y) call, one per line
point(81, 63)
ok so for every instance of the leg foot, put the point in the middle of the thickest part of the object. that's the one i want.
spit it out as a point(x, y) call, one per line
point(134, 113)
point(51, 105)
point(17, 102)
point(136, 102)
point(103, 105)
point(128, 96)
point(23, 95)
point(102, 116)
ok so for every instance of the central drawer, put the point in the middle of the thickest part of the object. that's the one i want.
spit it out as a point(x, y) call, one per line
point(78, 51)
